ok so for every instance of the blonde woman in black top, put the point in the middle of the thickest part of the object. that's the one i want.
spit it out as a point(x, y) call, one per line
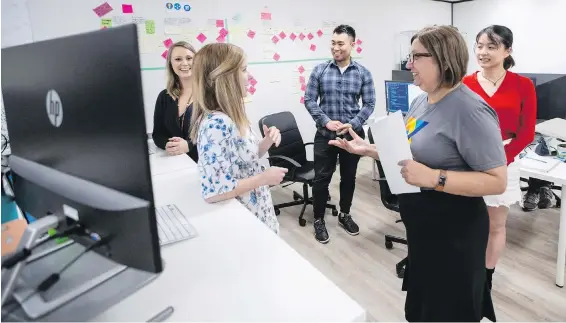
point(173, 107)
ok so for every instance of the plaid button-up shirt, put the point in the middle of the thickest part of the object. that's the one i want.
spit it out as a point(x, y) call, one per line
point(339, 95)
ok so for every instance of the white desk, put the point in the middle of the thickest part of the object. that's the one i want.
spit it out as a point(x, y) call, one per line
point(235, 270)
point(558, 177)
point(161, 163)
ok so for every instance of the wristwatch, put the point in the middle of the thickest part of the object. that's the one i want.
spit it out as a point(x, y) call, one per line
point(441, 181)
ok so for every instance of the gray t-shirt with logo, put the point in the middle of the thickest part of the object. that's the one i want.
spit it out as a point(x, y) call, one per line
point(460, 132)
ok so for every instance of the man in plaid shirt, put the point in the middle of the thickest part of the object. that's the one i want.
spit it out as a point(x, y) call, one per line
point(339, 83)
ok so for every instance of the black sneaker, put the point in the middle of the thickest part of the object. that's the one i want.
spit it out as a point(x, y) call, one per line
point(348, 224)
point(320, 233)
point(546, 198)
point(530, 201)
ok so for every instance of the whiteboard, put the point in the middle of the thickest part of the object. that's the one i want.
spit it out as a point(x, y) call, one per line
point(278, 85)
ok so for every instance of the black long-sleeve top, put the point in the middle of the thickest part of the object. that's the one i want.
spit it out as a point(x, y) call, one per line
point(167, 123)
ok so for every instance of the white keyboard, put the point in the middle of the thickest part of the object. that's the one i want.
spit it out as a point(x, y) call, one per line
point(173, 225)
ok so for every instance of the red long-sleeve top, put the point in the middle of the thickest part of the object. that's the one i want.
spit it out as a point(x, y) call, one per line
point(515, 103)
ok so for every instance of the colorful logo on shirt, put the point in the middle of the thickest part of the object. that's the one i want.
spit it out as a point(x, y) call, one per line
point(413, 126)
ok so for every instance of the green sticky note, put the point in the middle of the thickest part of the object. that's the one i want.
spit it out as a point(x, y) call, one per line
point(150, 27)
point(105, 23)
point(52, 232)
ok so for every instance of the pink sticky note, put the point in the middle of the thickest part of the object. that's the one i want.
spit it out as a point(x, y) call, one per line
point(313, 47)
point(282, 35)
point(302, 100)
point(276, 57)
point(164, 54)
point(201, 37)
point(359, 42)
point(266, 16)
point(274, 39)
point(253, 82)
point(219, 23)
point(102, 9)
point(302, 79)
point(251, 34)
point(167, 42)
point(293, 36)
point(127, 8)
point(303, 87)
point(359, 50)
point(310, 36)
point(220, 39)
point(223, 32)
point(301, 36)
point(319, 33)
point(301, 69)
point(251, 90)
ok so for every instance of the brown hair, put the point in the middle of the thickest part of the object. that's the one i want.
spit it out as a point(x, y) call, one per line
point(173, 82)
point(449, 50)
point(217, 85)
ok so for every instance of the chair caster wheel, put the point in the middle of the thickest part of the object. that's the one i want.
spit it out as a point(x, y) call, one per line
point(401, 272)
point(335, 212)
point(388, 244)
point(277, 212)
point(302, 222)
point(558, 203)
point(296, 196)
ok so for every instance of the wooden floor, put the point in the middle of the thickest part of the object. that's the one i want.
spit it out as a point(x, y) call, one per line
point(524, 282)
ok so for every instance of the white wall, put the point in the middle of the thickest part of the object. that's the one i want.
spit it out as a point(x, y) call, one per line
point(378, 23)
point(538, 29)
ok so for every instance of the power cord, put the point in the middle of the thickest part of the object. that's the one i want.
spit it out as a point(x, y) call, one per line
point(52, 279)
point(24, 253)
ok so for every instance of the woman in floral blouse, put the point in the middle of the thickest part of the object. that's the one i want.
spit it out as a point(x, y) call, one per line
point(229, 151)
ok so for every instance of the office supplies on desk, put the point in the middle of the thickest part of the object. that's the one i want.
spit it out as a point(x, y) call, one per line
point(163, 315)
point(392, 145)
point(173, 225)
point(539, 163)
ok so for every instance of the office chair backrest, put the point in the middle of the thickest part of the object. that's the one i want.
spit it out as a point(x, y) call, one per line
point(388, 199)
point(291, 145)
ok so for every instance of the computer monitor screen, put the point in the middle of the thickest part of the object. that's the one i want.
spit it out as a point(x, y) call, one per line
point(75, 112)
point(399, 95)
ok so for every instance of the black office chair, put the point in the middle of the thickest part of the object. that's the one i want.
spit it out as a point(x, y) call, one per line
point(391, 202)
point(291, 154)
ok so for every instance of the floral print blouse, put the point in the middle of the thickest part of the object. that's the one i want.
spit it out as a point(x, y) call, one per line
point(225, 156)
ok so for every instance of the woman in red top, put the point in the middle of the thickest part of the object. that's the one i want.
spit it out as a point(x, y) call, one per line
point(513, 97)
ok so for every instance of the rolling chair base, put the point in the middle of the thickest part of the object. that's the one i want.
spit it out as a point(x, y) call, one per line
point(301, 200)
point(400, 266)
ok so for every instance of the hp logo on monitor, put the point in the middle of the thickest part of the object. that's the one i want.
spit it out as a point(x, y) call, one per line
point(54, 108)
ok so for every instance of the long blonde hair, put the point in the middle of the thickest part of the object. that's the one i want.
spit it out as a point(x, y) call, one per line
point(217, 85)
point(173, 82)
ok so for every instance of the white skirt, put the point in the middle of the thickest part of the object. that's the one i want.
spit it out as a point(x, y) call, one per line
point(512, 194)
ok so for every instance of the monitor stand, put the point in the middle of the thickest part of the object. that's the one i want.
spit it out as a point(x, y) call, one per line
point(87, 288)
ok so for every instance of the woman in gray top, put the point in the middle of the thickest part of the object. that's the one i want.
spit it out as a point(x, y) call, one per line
point(458, 157)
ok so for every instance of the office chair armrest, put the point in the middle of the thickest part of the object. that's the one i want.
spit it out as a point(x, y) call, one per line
point(290, 160)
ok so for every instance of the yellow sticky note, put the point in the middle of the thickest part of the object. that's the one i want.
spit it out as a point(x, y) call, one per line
point(150, 27)
point(105, 23)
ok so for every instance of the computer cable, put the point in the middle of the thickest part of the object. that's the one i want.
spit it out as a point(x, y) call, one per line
point(52, 279)
point(24, 253)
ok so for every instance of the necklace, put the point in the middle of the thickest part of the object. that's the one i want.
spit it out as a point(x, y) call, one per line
point(491, 81)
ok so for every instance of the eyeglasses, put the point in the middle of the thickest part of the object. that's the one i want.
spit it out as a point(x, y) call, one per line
point(415, 56)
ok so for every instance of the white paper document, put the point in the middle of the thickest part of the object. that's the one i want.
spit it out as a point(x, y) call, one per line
point(538, 163)
point(392, 144)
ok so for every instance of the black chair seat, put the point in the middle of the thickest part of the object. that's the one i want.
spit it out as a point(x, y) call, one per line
point(305, 173)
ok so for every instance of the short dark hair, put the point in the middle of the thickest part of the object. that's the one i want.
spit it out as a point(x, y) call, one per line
point(449, 50)
point(500, 35)
point(345, 29)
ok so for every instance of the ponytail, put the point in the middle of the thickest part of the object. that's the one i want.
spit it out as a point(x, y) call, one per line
point(508, 62)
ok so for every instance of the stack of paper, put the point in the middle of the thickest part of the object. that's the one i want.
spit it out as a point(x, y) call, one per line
point(392, 145)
